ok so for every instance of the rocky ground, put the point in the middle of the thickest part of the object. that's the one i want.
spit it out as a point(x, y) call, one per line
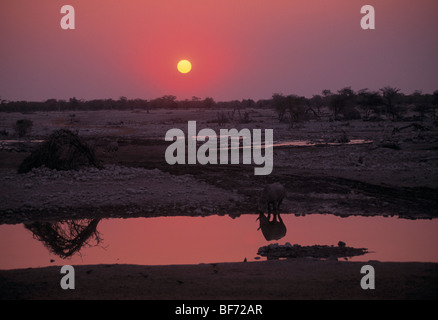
point(391, 171)
point(112, 191)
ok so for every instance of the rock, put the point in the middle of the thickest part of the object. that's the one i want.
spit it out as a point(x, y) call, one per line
point(332, 258)
point(275, 251)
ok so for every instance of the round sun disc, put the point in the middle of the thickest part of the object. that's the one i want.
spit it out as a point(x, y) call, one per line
point(184, 66)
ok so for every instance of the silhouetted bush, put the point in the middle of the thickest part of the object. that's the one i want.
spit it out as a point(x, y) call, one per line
point(221, 118)
point(22, 127)
point(351, 113)
point(344, 104)
point(63, 150)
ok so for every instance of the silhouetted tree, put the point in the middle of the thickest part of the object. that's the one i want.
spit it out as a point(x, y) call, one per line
point(369, 101)
point(165, 102)
point(326, 93)
point(435, 103)
point(419, 103)
point(342, 103)
point(208, 103)
point(391, 101)
point(280, 106)
point(294, 106)
point(316, 102)
point(74, 103)
point(297, 107)
point(247, 103)
point(336, 104)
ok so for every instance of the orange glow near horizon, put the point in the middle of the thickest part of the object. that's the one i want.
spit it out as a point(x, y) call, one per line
point(157, 70)
point(132, 49)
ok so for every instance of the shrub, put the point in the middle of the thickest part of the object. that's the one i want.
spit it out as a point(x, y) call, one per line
point(22, 127)
point(63, 150)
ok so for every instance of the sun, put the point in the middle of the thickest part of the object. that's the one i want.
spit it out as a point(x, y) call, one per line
point(184, 66)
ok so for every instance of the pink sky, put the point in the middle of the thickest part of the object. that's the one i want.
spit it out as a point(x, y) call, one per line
point(238, 49)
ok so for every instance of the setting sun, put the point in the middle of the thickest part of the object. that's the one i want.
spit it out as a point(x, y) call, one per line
point(184, 66)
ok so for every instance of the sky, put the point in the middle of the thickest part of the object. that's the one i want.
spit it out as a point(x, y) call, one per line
point(239, 49)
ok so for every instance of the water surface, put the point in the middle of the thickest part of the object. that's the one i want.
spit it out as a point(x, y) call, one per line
point(193, 240)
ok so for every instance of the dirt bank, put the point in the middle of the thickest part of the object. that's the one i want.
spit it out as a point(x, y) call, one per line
point(393, 173)
point(283, 279)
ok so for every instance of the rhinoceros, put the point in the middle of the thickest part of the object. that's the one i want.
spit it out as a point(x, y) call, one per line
point(272, 195)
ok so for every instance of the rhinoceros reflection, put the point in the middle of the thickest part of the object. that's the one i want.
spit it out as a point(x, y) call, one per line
point(64, 238)
point(274, 229)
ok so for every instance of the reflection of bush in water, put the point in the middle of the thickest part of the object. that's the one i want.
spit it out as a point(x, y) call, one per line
point(64, 238)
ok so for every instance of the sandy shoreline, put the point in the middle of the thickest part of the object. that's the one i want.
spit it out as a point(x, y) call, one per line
point(264, 280)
